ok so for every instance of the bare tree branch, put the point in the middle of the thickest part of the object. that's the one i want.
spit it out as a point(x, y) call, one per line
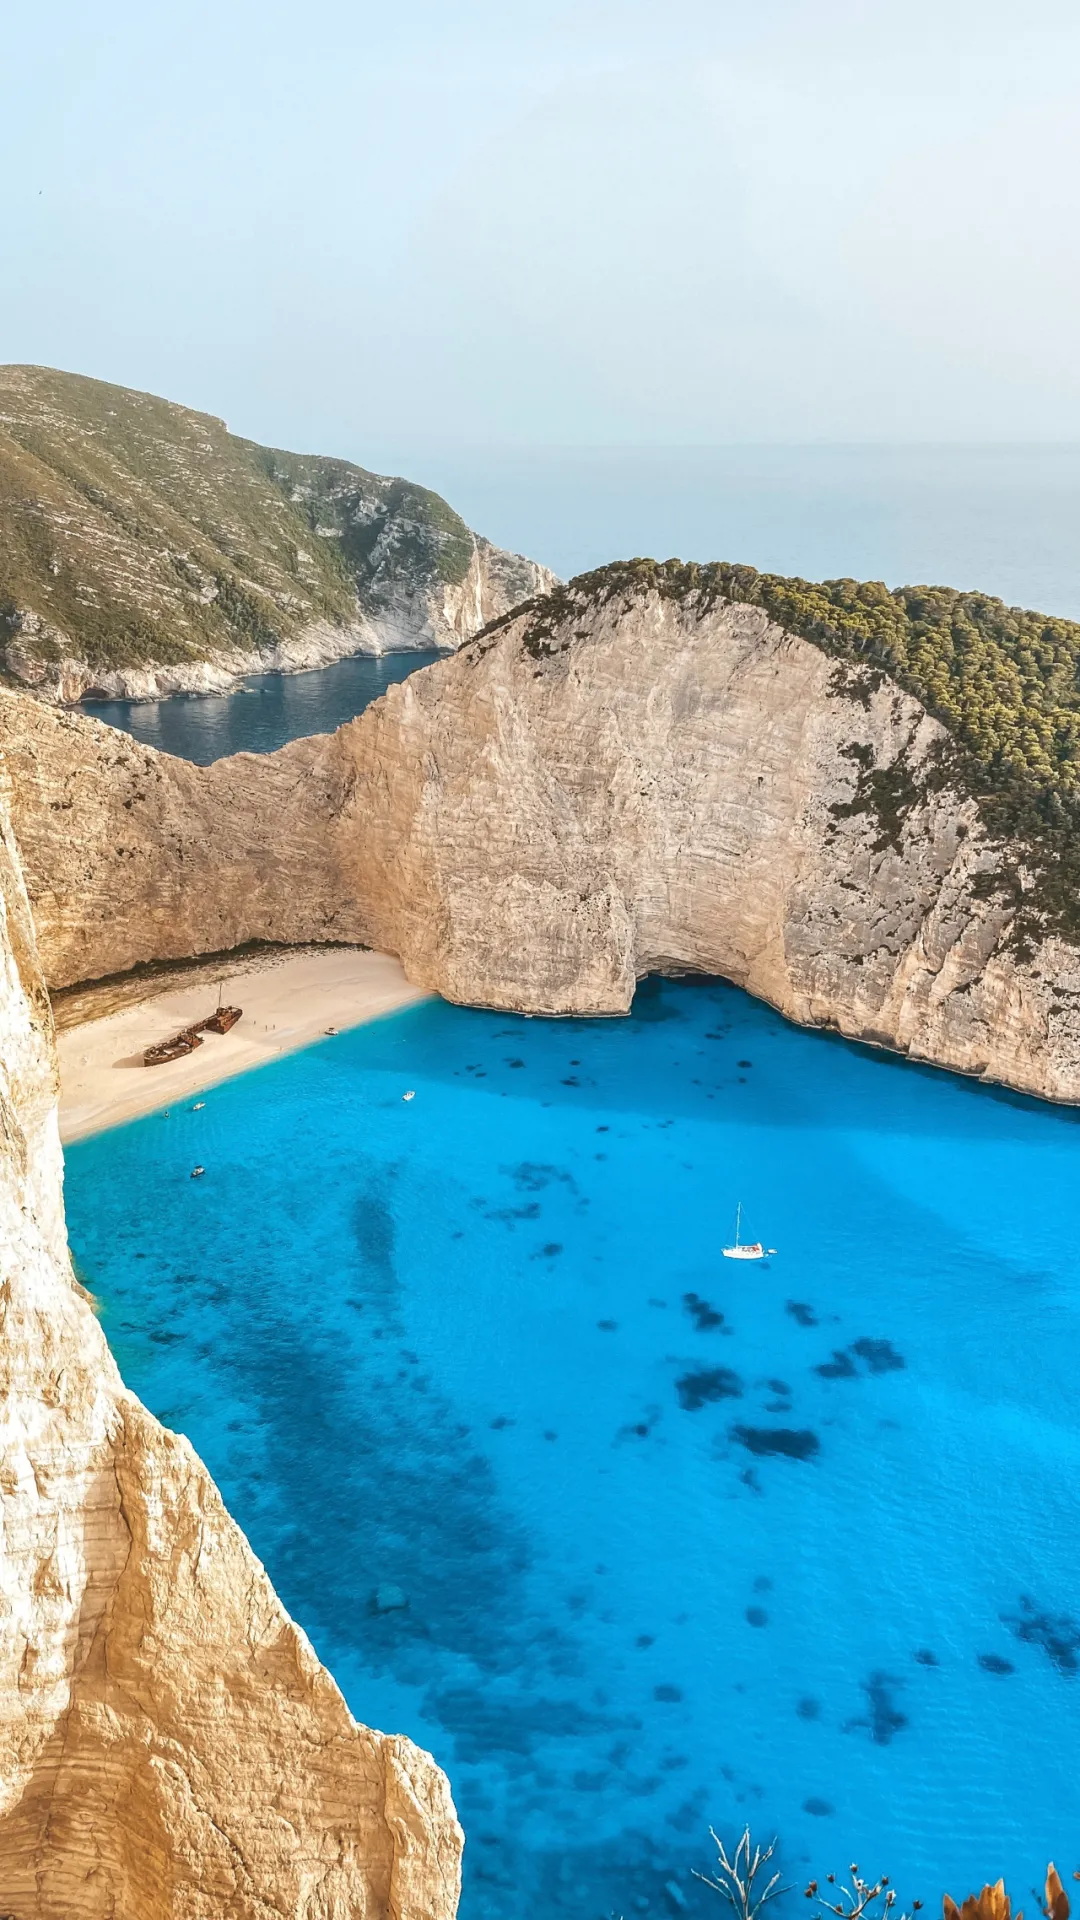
point(736, 1879)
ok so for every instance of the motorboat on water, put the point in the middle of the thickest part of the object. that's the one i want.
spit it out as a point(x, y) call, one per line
point(745, 1249)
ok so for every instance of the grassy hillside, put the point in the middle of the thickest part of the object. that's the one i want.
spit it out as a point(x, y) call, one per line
point(134, 531)
point(1005, 682)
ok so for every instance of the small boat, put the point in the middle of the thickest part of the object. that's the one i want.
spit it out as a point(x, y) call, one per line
point(222, 1020)
point(745, 1249)
point(174, 1049)
point(411, 1095)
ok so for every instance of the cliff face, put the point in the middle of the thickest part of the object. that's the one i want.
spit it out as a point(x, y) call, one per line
point(144, 550)
point(572, 804)
point(131, 855)
point(575, 800)
point(170, 1747)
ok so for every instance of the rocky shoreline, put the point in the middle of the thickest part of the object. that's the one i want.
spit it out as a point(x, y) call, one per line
point(406, 623)
point(69, 681)
point(148, 551)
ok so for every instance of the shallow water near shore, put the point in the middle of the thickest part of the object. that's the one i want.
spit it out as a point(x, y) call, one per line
point(683, 1541)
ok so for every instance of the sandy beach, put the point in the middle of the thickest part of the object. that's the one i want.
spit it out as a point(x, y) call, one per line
point(289, 1000)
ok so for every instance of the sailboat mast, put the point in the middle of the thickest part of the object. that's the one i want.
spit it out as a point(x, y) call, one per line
point(738, 1221)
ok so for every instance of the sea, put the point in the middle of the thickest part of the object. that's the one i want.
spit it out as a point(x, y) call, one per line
point(1001, 520)
point(264, 711)
point(637, 1540)
point(641, 1542)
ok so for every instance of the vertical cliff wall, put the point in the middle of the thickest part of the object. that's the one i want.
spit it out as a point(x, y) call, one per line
point(131, 855)
point(170, 1747)
point(608, 787)
point(601, 788)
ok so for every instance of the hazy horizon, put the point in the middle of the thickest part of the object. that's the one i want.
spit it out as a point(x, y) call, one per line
point(588, 223)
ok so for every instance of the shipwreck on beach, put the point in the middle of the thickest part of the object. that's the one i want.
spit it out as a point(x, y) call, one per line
point(220, 1021)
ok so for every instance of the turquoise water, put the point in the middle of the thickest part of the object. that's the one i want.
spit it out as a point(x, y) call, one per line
point(264, 711)
point(683, 1542)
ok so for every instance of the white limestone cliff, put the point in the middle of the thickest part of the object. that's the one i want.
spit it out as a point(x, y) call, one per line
point(649, 788)
point(170, 1747)
point(538, 822)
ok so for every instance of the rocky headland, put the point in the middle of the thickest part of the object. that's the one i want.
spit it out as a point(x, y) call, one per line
point(653, 770)
point(145, 550)
point(169, 1743)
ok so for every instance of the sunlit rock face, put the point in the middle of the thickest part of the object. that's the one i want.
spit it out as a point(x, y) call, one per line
point(170, 1747)
point(571, 804)
point(131, 855)
point(572, 801)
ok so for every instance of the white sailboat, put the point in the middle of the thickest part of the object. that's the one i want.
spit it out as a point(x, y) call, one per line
point(745, 1250)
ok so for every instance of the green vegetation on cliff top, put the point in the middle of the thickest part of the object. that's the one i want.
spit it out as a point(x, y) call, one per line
point(135, 531)
point(1003, 681)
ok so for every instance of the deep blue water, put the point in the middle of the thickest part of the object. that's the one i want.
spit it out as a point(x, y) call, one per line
point(264, 711)
point(683, 1542)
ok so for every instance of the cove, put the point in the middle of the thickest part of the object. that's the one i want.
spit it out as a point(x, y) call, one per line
point(264, 711)
point(681, 1542)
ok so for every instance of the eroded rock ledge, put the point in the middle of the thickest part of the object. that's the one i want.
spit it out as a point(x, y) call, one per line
point(170, 1747)
point(572, 801)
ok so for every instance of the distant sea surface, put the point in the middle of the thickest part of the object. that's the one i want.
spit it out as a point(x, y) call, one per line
point(1005, 520)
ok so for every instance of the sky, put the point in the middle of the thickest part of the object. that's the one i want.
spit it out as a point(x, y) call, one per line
point(364, 228)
